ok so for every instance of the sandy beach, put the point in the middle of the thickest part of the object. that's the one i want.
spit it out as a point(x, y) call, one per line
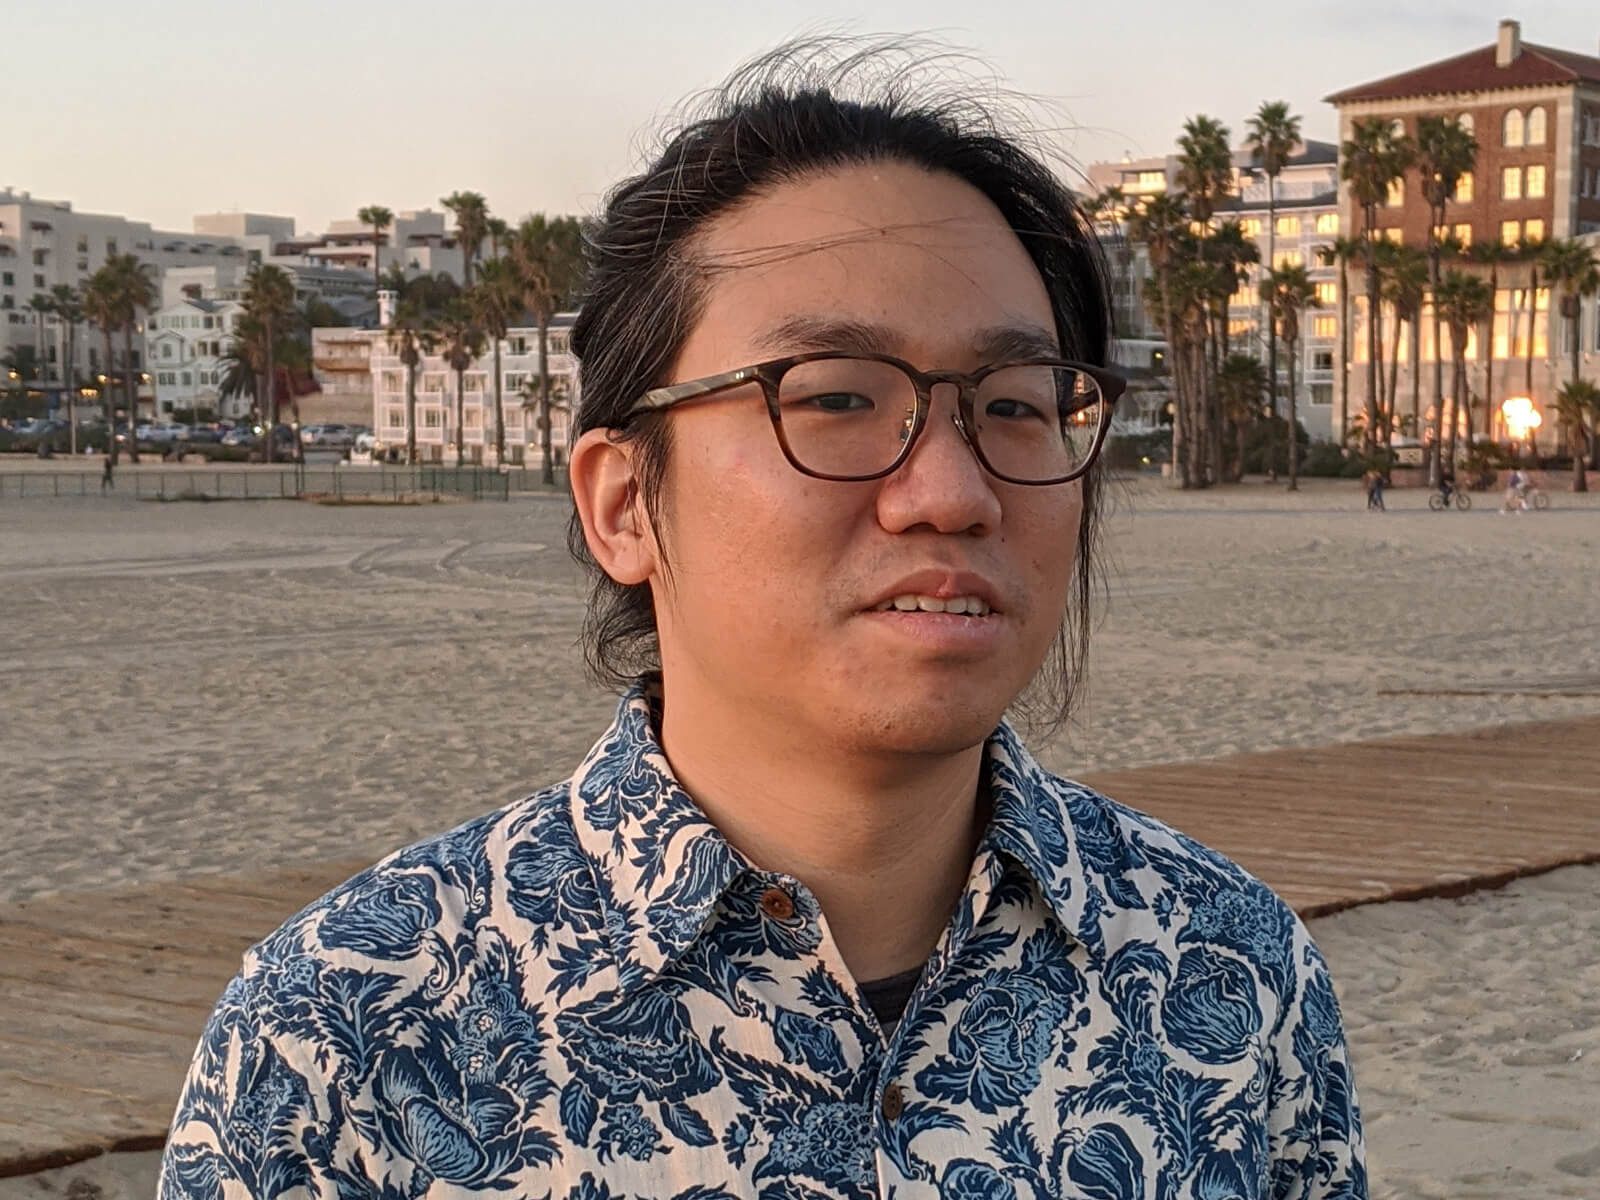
point(207, 688)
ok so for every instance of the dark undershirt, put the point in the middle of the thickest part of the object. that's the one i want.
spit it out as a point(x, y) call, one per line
point(887, 998)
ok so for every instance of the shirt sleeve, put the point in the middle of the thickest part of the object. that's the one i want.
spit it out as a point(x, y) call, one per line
point(1317, 1148)
point(251, 1124)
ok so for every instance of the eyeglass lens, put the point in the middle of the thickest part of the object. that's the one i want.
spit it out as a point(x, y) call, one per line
point(851, 417)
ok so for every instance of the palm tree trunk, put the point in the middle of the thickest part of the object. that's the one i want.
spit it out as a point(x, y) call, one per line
point(1272, 331)
point(130, 390)
point(1373, 343)
point(499, 409)
point(411, 415)
point(461, 374)
point(1416, 372)
point(72, 388)
point(1460, 360)
point(1533, 327)
point(1294, 448)
point(1390, 404)
point(1438, 352)
point(1488, 367)
point(106, 402)
point(268, 453)
point(1344, 349)
point(547, 470)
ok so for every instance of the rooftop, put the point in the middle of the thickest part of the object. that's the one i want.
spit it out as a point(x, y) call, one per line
point(1479, 71)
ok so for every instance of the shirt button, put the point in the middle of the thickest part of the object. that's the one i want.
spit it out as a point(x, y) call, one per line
point(894, 1101)
point(775, 902)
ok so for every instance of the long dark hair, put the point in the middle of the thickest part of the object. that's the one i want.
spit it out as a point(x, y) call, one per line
point(808, 106)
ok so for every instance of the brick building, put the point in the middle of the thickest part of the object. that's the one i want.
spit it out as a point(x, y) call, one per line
point(1536, 114)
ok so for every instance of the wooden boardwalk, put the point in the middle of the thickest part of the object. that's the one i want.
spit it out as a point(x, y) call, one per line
point(103, 996)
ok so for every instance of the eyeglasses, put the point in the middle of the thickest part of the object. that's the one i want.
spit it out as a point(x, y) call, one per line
point(855, 417)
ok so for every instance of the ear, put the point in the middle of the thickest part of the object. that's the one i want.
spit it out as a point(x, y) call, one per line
point(606, 494)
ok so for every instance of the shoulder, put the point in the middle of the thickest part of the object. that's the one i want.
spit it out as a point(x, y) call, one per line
point(404, 914)
point(1175, 887)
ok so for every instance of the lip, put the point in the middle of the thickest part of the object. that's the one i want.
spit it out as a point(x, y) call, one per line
point(942, 584)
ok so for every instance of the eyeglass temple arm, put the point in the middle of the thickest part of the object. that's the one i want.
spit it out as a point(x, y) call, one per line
point(672, 393)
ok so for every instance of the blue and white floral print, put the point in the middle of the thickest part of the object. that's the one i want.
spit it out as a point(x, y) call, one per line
point(584, 997)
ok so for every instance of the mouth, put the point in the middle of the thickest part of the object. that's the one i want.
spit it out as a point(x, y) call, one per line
point(974, 607)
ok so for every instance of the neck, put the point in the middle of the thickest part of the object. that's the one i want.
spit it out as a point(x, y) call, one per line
point(884, 842)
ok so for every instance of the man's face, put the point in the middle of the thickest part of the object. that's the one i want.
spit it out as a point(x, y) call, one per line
point(777, 581)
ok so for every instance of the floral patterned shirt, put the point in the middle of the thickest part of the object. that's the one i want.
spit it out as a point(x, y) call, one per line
point(590, 995)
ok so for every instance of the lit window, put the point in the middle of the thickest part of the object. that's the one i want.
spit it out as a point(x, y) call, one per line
point(1288, 258)
point(1397, 193)
point(1533, 231)
point(1511, 129)
point(1462, 234)
point(1393, 234)
point(1328, 223)
point(1464, 188)
point(1536, 178)
point(1510, 232)
point(1250, 226)
point(1536, 127)
point(1151, 181)
point(1288, 226)
point(1241, 328)
point(1327, 293)
point(1325, 327)
point(1465, 121)
point(1511, 183)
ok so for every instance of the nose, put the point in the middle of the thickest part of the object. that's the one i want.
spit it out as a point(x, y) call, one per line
point(941, 487)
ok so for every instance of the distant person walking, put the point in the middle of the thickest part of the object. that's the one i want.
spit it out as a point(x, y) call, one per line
point(1375, 490)
point(106, 480)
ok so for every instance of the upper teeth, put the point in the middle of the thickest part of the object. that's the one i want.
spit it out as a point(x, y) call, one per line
point(911, 602)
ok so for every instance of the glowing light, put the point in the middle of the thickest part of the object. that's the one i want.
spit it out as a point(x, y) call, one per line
point(1521, 417)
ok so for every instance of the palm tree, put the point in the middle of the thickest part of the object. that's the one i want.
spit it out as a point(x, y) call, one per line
point(1205, 175)
point(68, 308)
point(1342, 251)
point(499, 234)
point(1240, 385)
point(1531, 251)
point(1404, 288)
point(1274, 133)
point(548, 256)
point(1161, 223)
point(1572, 267)
point(496, 301)
point(472, 218)
point(241, 373)
point(102, 307)
point(1371, 160)
point(380, 218)
point(1578, 403)
point(1108, 207)
point(411, 336)
point(460, 342)
point(1463, 301)
point(1288, 292)
point(42, 307)
point(1445, 152)
point(1491, 255)
point(269, 301)
point(135, 292)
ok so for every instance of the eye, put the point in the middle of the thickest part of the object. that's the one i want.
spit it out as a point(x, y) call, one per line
point(836, 402)
point(1012, 410)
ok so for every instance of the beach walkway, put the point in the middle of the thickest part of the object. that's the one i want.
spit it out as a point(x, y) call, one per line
point(103, 995)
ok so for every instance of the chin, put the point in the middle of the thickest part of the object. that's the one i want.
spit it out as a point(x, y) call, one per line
point(935, 724)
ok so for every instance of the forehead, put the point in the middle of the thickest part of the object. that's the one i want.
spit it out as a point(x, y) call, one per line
point(922, 255)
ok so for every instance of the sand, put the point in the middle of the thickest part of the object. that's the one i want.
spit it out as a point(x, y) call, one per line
point(211, 688)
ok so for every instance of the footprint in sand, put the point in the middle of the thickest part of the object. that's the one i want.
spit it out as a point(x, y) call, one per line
point(1583, 1165)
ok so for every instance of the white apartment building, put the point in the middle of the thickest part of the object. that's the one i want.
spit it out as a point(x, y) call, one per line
point(44, 243)
point(1307, 219)
point(436, 398)
point(184, 343)
point(417, 242)
point(348, 291)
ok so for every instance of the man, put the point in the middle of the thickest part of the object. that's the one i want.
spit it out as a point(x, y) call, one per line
point(808, 921)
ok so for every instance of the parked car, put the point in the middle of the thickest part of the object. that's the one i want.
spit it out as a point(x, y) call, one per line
point(201, 433)
point(366, 442)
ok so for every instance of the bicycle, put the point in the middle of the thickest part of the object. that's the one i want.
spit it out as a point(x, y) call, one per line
point(1442, 500)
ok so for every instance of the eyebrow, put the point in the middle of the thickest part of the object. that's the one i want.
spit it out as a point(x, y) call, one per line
point(803, 334)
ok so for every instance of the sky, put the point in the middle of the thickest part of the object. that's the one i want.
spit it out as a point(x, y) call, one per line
point(161, 110)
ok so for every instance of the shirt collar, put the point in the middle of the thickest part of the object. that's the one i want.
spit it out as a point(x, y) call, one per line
point(662, 867)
